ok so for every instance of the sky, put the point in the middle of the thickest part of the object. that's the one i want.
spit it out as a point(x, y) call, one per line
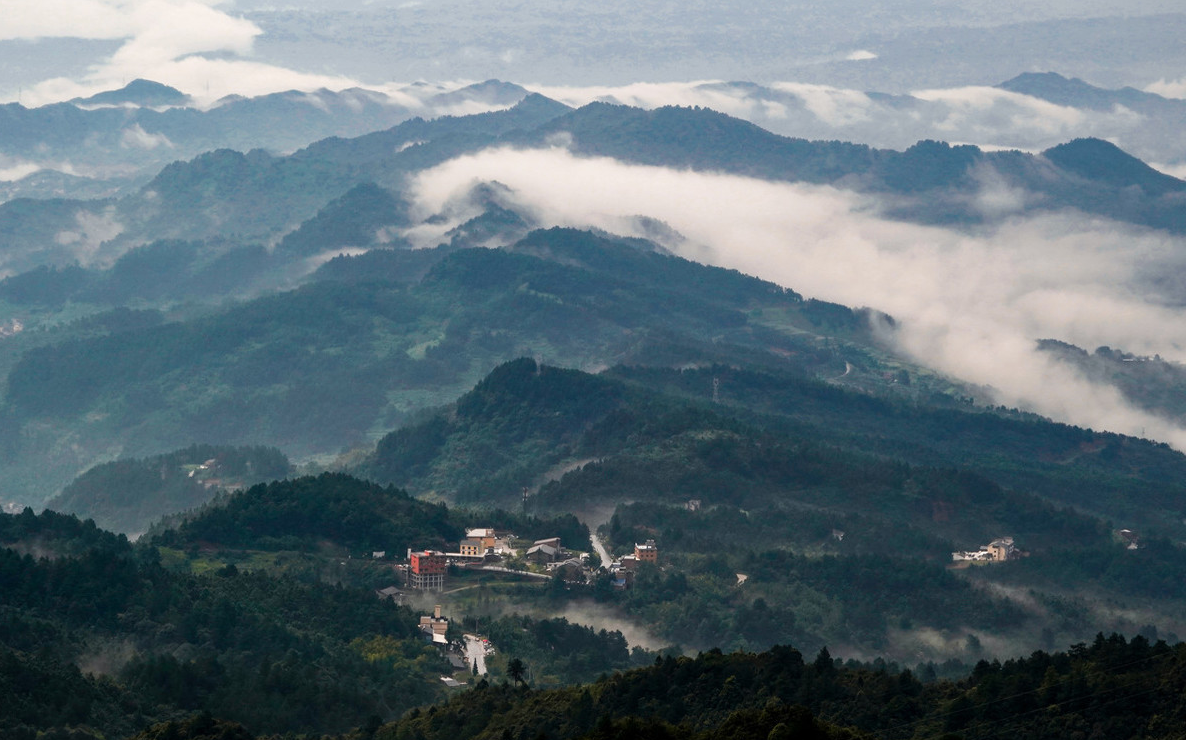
point(57, 49)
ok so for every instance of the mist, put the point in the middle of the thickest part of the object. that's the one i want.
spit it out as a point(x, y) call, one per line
point(986, 116)
point(193, 45)
point(970, 304)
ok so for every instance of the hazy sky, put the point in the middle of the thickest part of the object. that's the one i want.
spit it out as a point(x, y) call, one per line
point(55, 49)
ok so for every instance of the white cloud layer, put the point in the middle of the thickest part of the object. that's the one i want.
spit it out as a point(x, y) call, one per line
point(193, 45)
point(1169, 88)
point(985, 116)
point(970, 305)
point(17, 170)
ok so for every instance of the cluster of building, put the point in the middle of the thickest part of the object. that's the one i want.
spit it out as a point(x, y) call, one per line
point(624, 568)
point(485, 548)
point(997, 551)
point(427, 569)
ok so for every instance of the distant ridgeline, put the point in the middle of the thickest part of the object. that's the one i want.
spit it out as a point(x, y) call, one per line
point(129, 495)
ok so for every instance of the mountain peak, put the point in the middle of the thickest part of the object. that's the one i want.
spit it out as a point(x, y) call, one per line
point(1103, 161)
point(1072, 91)
point(137, 92)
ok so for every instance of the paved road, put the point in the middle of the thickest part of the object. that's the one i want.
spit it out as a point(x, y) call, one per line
point(600, 548)
point(475, 650)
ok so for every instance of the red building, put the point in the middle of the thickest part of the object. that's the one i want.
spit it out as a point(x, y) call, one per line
point(427, 570)
point(646, 553)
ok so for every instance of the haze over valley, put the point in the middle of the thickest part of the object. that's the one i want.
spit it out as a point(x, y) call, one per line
point(397, 370)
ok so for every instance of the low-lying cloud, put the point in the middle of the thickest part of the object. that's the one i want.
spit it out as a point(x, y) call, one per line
point(969, 304)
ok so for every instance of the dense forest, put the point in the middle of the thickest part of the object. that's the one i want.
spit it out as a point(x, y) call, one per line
point(1110, 687)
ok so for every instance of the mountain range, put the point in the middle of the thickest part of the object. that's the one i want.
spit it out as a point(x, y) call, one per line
point(277, 373)
point(111, 143)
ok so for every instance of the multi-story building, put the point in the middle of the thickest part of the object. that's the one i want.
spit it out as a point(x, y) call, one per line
point(427, 569)
point(478, 541)
point(647, 552)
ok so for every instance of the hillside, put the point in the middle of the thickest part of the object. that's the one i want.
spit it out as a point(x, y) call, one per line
point(152, 644)
point(780, 693)
point(806, 489)
point(129, 495)
point(339, 361)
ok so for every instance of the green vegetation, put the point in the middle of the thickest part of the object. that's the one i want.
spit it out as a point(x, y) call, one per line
point(555, 652)
point(337, 362)
point(1118, 688)
point(273, 653)
point(128, 495)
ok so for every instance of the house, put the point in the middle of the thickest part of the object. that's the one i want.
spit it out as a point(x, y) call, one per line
point(647, 552)
point(392, 593)
point(426, 570)
point(542, 554)
point(997, 551)
point(435, 627)
point(487, 539)
point(550, 542)
point(571, 570)
point(471, 548)
point(1001, 549)
point(482, 541)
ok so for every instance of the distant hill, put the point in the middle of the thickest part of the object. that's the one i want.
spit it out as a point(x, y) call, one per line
point(129, 495)
point(1076, 93)
point(1105, 163)
point(298, 514)
point(139, 92)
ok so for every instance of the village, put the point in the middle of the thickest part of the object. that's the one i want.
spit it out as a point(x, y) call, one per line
point(494, 552)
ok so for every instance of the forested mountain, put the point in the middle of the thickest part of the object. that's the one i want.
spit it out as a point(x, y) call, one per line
point(781, 463)
point(281, 653)
point(120, 136)
point(257, 196)
point(332, 362)
point(1110, 686)
point(128, 495)
point(271, 652)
